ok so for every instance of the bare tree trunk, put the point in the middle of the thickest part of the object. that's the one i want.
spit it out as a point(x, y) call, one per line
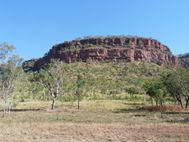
point(161, 103)
point(152, 102)
point(53, 95)
point(179, 100)
point(156, 102)
point(6, 108)
point(181, 104)
point(6, 105)
point(53, 103)
point(187, 101)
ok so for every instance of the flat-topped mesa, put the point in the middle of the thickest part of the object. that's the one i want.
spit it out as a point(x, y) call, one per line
point(126, 49)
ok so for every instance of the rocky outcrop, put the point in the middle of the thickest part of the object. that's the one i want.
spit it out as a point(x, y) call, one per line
point(184, 59)
point(107, 49)
point(29, 65)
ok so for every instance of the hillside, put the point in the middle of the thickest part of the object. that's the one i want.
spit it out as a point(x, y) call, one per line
point(107, 80)
point(107, 49)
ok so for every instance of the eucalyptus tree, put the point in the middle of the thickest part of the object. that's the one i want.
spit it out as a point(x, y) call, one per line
point(5, 51)
point(81, 82)
point(10, 66)
point(155, 89)
point(51, 77)
point(177, 85)
point(79, 89)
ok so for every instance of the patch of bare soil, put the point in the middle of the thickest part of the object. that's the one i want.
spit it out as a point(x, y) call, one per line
point(71, 132)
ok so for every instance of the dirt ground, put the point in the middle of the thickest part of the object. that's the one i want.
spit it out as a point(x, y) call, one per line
point(71, 132)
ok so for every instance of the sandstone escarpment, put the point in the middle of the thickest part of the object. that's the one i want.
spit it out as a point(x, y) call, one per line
point(107, 49)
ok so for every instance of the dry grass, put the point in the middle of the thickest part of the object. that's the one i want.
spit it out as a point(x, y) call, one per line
point(72, 132)
point(97, 121)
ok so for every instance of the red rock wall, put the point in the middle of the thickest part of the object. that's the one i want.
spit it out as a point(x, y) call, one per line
point(126, 49)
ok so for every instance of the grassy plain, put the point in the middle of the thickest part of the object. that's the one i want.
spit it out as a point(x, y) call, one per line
point(96, 121)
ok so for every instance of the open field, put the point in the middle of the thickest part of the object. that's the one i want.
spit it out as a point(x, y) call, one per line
point(102, 121)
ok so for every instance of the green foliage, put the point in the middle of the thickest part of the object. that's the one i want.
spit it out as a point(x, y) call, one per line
point(171, 85)
point(177, 85)
point(96, 81)
point(133, 90)
point(9, 72)
point(86, 80)
point(51, 77)
point(155, 89)
point(5, 50)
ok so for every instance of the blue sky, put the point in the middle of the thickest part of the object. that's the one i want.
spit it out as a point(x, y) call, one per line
point(34, 26)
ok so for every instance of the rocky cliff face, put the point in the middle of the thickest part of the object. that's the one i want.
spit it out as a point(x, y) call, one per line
point(184, 59)
point(107, 49)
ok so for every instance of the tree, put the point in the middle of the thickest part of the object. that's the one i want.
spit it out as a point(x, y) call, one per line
point(155, 89)
point(177, 85)
point(51, 78)
point(10, 66)
point(5, 50)
point(79, 90)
